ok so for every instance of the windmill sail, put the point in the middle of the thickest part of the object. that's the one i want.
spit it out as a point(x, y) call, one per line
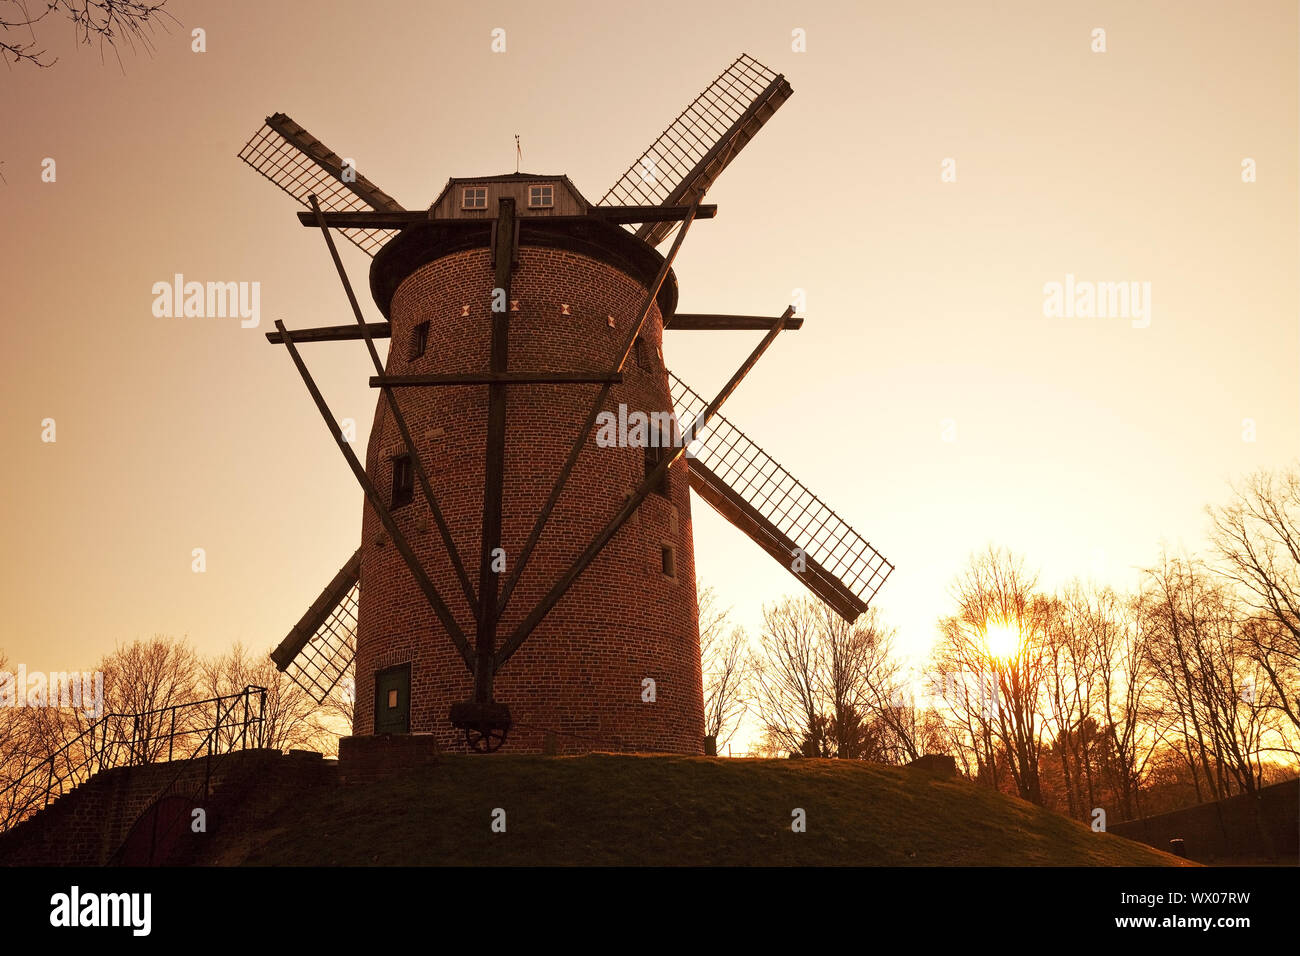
point(320, 649)
point(302, 165)
point(681, 165)
point(751, 490)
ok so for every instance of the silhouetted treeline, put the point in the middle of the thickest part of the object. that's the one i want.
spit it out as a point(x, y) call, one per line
point(1078, 699)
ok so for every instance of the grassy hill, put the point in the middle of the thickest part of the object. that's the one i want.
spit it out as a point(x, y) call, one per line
point(660, 810)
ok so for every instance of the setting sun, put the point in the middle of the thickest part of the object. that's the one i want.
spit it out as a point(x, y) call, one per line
point(1002, 640)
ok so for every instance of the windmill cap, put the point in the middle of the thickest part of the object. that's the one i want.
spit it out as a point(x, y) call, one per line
point(419, 244)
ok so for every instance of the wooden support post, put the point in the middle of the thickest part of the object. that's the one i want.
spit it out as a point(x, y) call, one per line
point(630, 214)
point(725, 323)
point(372, 495)
point(633, 501)
point(398, 419)
point(698, 426)
point(581, 440)
point(369, 218)
point(503, 236)
point(335, 333)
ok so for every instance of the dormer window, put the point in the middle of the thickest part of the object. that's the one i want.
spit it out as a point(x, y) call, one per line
point(541, 197)
point(473, 197)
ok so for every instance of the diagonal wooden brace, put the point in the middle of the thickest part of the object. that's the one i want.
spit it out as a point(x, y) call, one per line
point(597, 404)
point(398, 419)
point(633, 501)
point(376, 502)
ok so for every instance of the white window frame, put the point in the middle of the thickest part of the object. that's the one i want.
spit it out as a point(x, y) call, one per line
point(541, 205)
point(465, 195)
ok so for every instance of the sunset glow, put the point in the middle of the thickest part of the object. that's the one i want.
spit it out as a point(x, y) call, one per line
point(1001, 640)
point(699, 434)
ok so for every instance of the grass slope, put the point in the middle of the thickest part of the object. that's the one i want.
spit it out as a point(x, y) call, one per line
point(658, 810)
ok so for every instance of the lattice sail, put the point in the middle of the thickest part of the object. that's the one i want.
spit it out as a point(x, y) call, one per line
point(300, 164)
point(681, 165)
point(320, 650)
point(752, 491)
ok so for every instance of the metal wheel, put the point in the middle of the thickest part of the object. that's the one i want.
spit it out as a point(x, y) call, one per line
point(485, 740)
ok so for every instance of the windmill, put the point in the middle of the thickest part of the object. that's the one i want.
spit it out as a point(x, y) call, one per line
point(524, 321)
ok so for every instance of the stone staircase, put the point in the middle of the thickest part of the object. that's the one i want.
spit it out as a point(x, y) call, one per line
point(107, 819)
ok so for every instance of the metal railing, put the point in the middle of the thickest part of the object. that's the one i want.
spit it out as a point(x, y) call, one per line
point(212, 749)
point(219, 724)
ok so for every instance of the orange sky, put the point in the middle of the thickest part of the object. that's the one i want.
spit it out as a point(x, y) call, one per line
point(1080, 442)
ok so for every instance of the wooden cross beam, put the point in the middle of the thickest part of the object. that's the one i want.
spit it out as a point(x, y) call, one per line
point(335, 333)
point(681, 322)
point(379, 219)
point(630, 214)
point(496, 378)
point(702, 422)
point(692, 322)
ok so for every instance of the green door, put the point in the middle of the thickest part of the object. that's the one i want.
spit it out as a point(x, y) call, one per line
point(393, 700)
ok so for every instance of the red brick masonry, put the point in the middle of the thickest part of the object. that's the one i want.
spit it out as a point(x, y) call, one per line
point(581, 672)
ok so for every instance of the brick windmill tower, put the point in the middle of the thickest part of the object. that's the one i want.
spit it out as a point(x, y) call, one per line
point(526, 568)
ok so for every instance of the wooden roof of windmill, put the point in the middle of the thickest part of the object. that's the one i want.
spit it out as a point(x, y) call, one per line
point(567, 200)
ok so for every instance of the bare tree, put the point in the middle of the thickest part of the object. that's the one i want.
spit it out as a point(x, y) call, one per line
point(786, 684)
point(965, 692)
point(856, 677)
point(1132, 724)
point(1201, 660)
point(726, 680)
point(1258, 536)
point(825, 687)
point(291, 718)
point(725, 664)
point(713, 617)
point(339, 708)
point(994, 688)
point(20, 752)
point(910, 729)
point(1070, 673)
point(151, 679)
point(106, 22)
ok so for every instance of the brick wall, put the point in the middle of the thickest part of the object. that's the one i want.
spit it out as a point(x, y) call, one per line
point(366, 758)
point(1251, 826)
point(88, 824)
point(580, 673)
